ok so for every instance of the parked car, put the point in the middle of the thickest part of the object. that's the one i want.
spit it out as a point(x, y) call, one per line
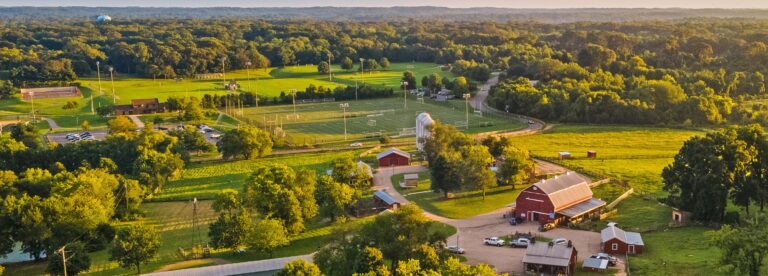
point(208, 130)
point(89, 138)
point(603, 256)
point(454, 249)
point(215, 136)
point(70, 135)
point(356, 145)
point(530, 122)
point(493, 241)
point(520, 242)
point(560, 241)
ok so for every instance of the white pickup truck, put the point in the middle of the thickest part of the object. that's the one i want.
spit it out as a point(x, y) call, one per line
point(493, 241)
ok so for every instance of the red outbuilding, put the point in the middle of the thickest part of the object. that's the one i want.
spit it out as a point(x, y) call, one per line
point(617, 241)
point(563, 198)
point(393, 157)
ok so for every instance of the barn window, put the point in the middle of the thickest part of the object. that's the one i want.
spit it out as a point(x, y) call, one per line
point(614, 246)
point(534, 188)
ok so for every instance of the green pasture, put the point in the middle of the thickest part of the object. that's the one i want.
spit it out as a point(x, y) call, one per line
point(463, 205)
point(265, 82)
point(318, 123)
point(633, 154)
point(204, 179)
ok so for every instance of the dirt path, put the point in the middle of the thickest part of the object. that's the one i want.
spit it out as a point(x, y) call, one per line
point(137, 121)
point(190, 263)
point(51, 123)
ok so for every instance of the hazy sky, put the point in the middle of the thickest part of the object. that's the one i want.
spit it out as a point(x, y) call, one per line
point(763, 4)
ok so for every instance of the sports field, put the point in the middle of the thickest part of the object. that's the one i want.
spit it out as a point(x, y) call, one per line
point(324, 122)
point(265, 82)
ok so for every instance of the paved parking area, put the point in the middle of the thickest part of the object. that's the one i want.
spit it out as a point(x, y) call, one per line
point(61, 138)
point(472, 231)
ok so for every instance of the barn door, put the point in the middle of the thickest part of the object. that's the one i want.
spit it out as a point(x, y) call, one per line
point(631, 249)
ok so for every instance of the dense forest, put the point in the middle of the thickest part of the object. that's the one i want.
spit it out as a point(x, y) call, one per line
point(691, 72)
point(380, 13)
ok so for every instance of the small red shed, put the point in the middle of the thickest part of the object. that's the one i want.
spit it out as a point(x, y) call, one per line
point(617, 241)
point(393, 157)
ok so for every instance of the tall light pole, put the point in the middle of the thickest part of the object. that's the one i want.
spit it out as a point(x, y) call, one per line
point(98, 77)
point(223, 71)
point(404, 84)
point(112, 80)
point(355, 89)
point(330, 69)
point(362, 71)
point(344, 107)
point(293, 96)
point(32, 99)
point(466, 106)
point(248, 71)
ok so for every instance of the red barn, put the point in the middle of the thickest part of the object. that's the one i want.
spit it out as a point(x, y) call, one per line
point(559, 199)
point(617, 241)
point(393, 157)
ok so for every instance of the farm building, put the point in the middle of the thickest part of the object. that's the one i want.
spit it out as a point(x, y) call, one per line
point(139, 106)
point(393, 157)
point(594, 265)
point(423, 122)
point(550, 259)
point(49, 92)
point(410, 180)
point(680, 217)
point(563, 198)
point(617, 241)
point(384, 200)
point(564, 155)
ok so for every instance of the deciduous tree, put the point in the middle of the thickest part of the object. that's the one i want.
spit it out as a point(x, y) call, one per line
point(135, 246)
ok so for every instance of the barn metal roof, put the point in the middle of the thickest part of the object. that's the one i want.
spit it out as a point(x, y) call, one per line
point(384, 196)
point(566, 190)
point(391, 151)
point(543, 253)
point(613, 232)
point(595, 263)
point(582, 208)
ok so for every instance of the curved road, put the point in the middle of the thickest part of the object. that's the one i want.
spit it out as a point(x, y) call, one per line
point(478, 103)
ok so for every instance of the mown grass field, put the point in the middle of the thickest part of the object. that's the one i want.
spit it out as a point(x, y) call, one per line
point(324, 122)
point(269, 82)
point(203, 180)
point(463, 205)
point(633, 154)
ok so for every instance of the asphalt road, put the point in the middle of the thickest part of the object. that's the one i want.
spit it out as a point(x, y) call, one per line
point(61, 138)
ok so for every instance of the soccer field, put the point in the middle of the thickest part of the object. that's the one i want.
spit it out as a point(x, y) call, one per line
point(266, 83)
point(324, 122)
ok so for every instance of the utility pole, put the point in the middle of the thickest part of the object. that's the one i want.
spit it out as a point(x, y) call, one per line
point(466, 106)
point(355, 89)
point(344, 107)
point(223, 71)
point(362, 71)
point(194, 222)
point(248, 71)
point(112, 80)
point(404, 84)
point(64, 258)
point(32, 99)
point(98, 75)
point(293, 96)
point(330, 69)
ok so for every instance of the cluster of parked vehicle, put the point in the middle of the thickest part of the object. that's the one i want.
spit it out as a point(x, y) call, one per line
point(521, 241)
point(203, 128)
point(75, 137)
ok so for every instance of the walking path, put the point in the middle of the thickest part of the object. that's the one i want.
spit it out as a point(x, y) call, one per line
point(51, 123)
point(268, 265)
point(137, 121)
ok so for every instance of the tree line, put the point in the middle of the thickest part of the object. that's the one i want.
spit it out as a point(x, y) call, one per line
point(457, 162)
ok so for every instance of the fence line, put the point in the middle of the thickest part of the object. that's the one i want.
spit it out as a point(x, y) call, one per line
point(620, 198)
point(598, 183)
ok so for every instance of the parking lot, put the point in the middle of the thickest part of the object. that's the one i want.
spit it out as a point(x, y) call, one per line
point(61, 138)
point(472, 231)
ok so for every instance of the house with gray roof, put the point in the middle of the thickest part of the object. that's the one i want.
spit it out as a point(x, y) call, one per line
point(614, 240)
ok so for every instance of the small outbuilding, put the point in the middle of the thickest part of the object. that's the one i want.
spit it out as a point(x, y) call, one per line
point(564, 155)
point(617, 241)
point(680, 217)
point(550, 259)
point(384, 200)
point(591, 154)
point(393, 157)
point(411, 180)
point(594, 265)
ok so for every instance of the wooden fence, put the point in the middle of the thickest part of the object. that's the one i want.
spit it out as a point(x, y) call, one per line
point(620, 198)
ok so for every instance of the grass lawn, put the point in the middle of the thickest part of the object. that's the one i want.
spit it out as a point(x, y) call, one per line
point(677, 251)
point(608, 192)
point(633, 154)
point(204, 180)
point(463, 205)
point(324, 122)
point(270, 83)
